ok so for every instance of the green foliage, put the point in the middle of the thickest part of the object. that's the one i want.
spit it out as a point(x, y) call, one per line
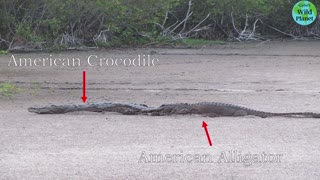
point(8, 90)
point(3, 52)
point(24, 30)
point(134, 22)
point(53, 25)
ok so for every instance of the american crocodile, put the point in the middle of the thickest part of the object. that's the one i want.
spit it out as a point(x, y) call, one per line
point(211, 109)
point(128, 109)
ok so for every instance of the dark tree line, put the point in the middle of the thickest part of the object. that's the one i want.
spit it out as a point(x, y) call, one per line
point(104, 23)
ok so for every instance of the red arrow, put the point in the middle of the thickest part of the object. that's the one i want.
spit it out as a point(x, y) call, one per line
point(204, 125)
point(84, 97)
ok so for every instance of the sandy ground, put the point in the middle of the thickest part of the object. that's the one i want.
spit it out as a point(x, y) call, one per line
point(274, 76)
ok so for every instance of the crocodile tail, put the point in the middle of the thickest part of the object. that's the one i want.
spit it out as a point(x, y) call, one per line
point(298, 114)
point(294, 114)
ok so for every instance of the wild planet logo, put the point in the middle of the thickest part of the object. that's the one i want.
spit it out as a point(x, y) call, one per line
point(304, 13)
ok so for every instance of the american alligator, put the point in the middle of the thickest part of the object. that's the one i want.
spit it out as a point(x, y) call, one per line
point(211, 109)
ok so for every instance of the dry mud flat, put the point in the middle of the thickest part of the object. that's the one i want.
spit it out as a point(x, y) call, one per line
point(274, 76)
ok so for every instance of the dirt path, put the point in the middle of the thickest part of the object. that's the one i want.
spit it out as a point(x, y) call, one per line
point(275, 76)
